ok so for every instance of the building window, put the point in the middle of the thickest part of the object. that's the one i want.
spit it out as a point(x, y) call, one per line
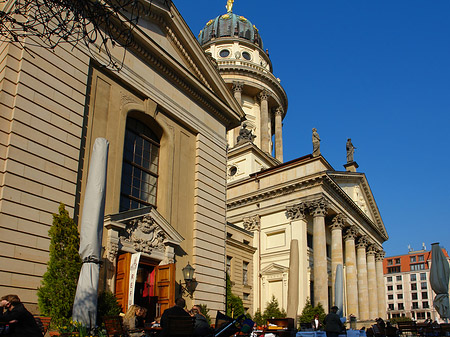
point(412, 259)
point(397, 261)
point(229, 258)
point(245, 272)
point(400, 306)
point(392, 270)
point(423, 285)
point(399, 287)
point(246, 296)
point(413, 286)
point(423, 276)
point(399, 277)
point(390, 288)
point(421, 258)
point(414, 296)
point(421, 315)
point(140, 166)
point(309, 240)
point(399, 296)
point(415, 305)
point(425, 305)
point(424, 295)
point(224, 53)
point(246, 55)
point(418, 266)
point(390, 297)
point(328, 251)
point(389, 278)
point(391, 306)
point(413, 277)
point(389, 262)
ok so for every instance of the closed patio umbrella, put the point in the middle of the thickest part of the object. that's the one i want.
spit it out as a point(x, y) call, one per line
point(85, 304)
point(339, 290)
point(439, 277)
point(293, 281)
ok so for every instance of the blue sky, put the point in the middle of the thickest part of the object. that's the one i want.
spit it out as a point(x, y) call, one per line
point(376, 71)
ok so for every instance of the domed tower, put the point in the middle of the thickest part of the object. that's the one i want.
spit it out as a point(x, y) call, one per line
point(235, 44)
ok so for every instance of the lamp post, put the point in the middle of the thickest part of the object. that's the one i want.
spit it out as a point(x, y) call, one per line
point(188, 275)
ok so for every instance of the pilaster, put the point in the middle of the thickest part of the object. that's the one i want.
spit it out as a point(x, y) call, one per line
point(351, 273)
point(253, 224)
point(279, 134)
point(319, 209)
point(237, 92)
point(363, 291)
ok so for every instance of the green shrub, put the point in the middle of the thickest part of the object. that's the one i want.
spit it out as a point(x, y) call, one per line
point(59, 284)
point(394, 320)
point(273, 310)
point(309, 312)
point(107, 305)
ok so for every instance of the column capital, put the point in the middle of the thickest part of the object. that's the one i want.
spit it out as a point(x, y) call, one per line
point(264, 95)
point(319, 207)
point(238, 86)
point(371, 250)
point(350, 233)
point(252, 223)
point(380, 255)
point(279, 111)
point(362, 242)
point(297, 211)
point(337, 222)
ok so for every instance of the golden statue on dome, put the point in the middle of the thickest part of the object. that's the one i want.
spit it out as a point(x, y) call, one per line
point(229, 6)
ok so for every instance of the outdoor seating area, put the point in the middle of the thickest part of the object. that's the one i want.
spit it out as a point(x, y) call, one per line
point(114, 326)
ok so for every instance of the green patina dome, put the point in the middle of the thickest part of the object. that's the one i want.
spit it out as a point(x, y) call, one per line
point(230, 24)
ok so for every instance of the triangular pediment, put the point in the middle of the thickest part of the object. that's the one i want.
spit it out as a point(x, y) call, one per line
point(164, 34)
point(356, 187)
point(274, 268)
point(142, 230)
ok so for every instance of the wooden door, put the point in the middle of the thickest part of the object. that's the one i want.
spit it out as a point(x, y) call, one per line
point(122, 280)
point(165, 286)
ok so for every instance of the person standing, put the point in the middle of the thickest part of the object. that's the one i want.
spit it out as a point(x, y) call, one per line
point(333, 323)
point(22, 322)
point(315, 323)
point(176, 310)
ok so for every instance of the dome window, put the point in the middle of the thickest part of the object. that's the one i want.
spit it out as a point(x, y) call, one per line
point(232, 171)
point(246, 55)
point(224, 53)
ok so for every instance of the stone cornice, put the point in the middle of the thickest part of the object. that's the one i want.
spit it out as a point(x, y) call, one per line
point(240, 245)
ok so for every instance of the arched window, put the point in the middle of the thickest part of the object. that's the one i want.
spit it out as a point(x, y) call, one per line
point(140, 166)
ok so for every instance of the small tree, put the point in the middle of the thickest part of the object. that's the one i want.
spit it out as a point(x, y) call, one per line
point(57, 293)
point(235, 306)
point(273, 310)
point(205, 312)
point(107, 305)
point(309, 312)
point(259, 319)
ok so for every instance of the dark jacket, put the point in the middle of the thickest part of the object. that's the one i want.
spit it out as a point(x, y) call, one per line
point(26, 325)
point(201, 326)
point(173, 311)
point(333, 323)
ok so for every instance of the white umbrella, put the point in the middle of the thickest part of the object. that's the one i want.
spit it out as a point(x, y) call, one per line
point(85, 304)
point(339, 290)
point(439, 277)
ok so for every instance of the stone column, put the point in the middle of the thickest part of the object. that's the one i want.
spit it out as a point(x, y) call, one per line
point(296, 214)
point(264, 118)
point(350, 273)
point(237, 91)
point(380, 284)
point(253, 224)
point(372, 283)
point(279, 134)
point(319, 210)
point(336, 247)
point(363, 291)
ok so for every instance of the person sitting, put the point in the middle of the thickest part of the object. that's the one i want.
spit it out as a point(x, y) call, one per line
point(22, 322)
point(177, 310)
point(133, 320)
point(315, 323)
point(201, 325)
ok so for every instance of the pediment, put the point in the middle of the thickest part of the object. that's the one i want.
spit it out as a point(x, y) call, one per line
point(144, 231)
point(165, 34)
point(356, 187)
point(274, 268)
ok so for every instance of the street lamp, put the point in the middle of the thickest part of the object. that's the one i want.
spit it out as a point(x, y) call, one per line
point(190, 283)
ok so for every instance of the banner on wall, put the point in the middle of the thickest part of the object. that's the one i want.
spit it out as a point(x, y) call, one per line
point(134, 264)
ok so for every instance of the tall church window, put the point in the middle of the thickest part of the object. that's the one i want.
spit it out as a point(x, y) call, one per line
point(140, 166)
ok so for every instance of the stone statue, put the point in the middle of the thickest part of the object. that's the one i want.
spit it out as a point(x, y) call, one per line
point(350, 150)
point(245, 135)
point(316, 143)
point(229, 6)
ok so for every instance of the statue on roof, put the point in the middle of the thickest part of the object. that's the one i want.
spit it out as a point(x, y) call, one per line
point(245, 135)
point(229, 6)
point(316, 143)
point(350, 150)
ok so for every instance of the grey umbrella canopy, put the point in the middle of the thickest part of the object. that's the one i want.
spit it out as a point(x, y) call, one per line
point(439, 277)
point(85, 304)
point(339, 290)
